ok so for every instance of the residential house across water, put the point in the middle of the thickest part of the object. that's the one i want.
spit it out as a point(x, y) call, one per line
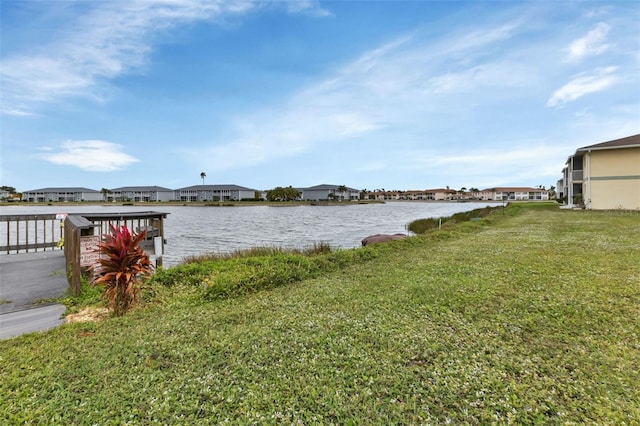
point(440, 194)
point(328, 192)
point(515, 194)
point(222, 193)
point(48, 195)
point(141, 193)
point(215, 193)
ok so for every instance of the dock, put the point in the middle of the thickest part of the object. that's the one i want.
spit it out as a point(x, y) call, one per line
point(33, 270)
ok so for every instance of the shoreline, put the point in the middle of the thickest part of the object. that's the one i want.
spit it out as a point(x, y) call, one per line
point(238, 203)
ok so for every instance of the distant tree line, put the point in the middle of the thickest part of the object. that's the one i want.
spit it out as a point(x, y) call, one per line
point(12, 192)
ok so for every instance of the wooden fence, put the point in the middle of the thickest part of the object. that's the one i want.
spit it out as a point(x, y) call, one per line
point(30, 233)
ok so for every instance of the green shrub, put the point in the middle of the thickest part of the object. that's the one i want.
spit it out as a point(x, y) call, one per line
point(121, 268)
point(420, 226)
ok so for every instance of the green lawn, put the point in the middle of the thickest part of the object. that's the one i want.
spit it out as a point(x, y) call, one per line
point(526, 317)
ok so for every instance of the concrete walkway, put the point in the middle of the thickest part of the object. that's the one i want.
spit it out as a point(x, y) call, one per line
point(25, 280)
point(42, 318)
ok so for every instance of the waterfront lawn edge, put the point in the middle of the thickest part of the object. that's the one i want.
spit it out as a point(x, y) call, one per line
point(527, 316)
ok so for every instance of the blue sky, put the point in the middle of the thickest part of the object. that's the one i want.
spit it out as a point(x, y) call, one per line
point(393, 95)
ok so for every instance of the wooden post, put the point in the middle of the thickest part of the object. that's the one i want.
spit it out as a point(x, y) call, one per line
point(74, 228)
point(159, 250)
point(158, 242)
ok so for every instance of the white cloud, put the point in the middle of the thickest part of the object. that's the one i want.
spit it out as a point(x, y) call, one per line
point(112, 39)
point(592, 44)
point(483, 37)
point(89, 155)
point(486, 167)
point(270, 136)
point(307, 7)
point(598, 12)
point(499, 74)
point(17, 112)
point(381, 88)
point(582, 85)
point(503, 157)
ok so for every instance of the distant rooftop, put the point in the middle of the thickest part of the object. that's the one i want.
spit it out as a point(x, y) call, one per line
point(215, 188)
point(515, 189)
point(141, 189)
point(66, 189)
point(327, 187)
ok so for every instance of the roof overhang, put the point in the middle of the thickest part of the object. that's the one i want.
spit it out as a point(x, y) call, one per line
point(605, 148)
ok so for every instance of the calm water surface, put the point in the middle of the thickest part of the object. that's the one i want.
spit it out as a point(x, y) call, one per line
point(194, 230)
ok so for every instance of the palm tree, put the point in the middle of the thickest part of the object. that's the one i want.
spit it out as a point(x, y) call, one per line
point(342, 189)
point(202, 176)
point(105, 191)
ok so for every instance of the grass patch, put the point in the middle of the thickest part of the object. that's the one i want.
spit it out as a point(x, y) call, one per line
point(529, 318)
point(90, 296)
point(421, 226)
point(248, 271)
point(316, 248)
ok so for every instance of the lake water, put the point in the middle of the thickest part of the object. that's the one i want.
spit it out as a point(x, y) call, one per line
point(195, 230)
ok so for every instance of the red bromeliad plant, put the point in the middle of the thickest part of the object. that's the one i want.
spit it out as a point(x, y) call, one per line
point(122, 265)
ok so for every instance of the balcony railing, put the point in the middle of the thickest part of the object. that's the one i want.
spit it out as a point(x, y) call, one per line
point(577, 175)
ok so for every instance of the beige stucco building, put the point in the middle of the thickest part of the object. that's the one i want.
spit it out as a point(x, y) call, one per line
point(511, 193)
point(604, 176)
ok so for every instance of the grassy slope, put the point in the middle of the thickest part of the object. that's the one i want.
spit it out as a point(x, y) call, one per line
point(509, 319)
